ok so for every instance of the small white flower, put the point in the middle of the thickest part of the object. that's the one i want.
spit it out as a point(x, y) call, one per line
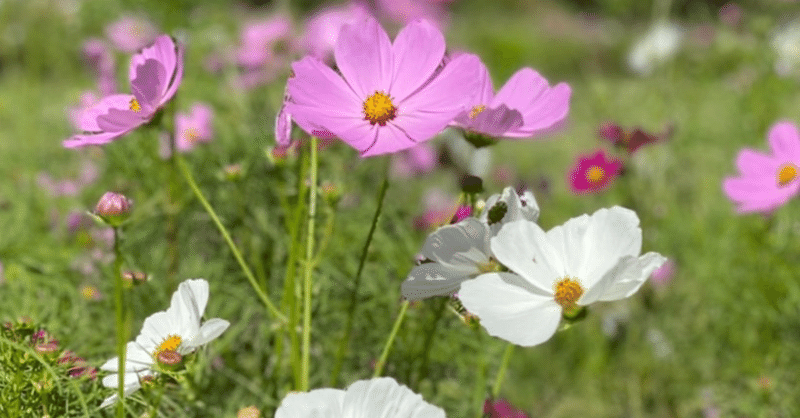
point(786, 43)
point(513, 207)
point(657, 46)
point(376, 398)
point(177, 329)
point(588, 259)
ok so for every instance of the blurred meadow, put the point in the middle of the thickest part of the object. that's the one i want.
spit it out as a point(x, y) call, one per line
point(718, 338)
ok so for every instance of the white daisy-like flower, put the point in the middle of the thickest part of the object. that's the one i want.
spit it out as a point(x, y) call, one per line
point(177, 329)
point(586, 260)
point(461, 251)
point(786, 43)
point(375, 398)
point(657, 46)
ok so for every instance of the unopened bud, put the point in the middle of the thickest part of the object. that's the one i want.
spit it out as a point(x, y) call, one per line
point(233, 172)
point(249, 412)
point(48, 348)
point(113, 208)
point(134, 278)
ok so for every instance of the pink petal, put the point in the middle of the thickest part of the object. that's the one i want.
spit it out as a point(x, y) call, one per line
point(117, 120)
point(758, 194)
point(389, 139)
point(496, 122)
point(99, 138)
point(751, 162)
point(418, 51)
point(87, 119)
point(316, 85)
point(149, 84)
point(547, 114)
point(364, 56)
point(784, 139)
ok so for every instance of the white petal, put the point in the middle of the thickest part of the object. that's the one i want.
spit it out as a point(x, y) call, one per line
point(509, 311)
point(189, 302)
point(433, 279)
point(568, 240)
point(319, 403)
point(525, 249)
point(210, 330)
point(515, 209)
point(624, 279)
point(461, 246)
point(136, 359)
point(611, 234)
point(385, 398)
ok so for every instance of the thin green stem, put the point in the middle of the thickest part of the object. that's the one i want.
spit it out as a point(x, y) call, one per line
point(187, 174)
point(388, 346)
point(309, 267)
point(119, 300)
point(348, 328)
point(501, 374)
point(479, 390)
point(426, 347)
point(173, 191)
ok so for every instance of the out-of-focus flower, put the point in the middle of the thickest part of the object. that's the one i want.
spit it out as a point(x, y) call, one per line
point(193, 127)
point(656, 47)
point(464, 156)
point(406, 11)
point(438, 209)
point(113, 208)
point(249, 412)
point(101, 62)
point(264, 50)
point(177, 329)
point(130, 34)
point(586, 260)
point(509, 206)
point(380, 397)
point(90, 292)
point(501, 408)
point(415, 161)
point(593, 173)
point(786, 43)
point(155, 74)
point(389, 97)
point(731, 14)
point(664, 274)
point(526, 106)
point(767, 181)
point(322, 28)
point(631, 139)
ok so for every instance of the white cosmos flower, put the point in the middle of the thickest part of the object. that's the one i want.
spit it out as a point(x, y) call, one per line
point(376, 398)
point(657, 46)
point(458, 252)
point(177, 329)
point(588, 259)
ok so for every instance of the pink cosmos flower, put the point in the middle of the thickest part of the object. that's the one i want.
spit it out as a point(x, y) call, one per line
point(593, 173)
point(414, 161)
point(501, 408)
point(767, 181)
point(263, 50)
point(129, 34)
point(389, 97)
point(405, 11)
point(101, 62)
point(193, 127)
point(322, 29)
point(155, 74)
point(525, 106)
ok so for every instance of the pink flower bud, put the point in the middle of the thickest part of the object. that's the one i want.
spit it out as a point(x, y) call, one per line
point(113, 208)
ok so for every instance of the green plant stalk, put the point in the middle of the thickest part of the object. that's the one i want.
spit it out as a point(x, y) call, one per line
point(309, 267)
point(172, 196)
point(501, 374)
point(426, 347)
point(348, 328)
point(388, 346)
point(119, 301)
point(225, 235)
point(478, 392)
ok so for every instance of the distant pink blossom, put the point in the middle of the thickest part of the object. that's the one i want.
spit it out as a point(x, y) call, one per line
point(101, 61)
point(264, 50)
point(129, 34)
point(593, 173)
point(526, 106)
point(389, 97)
point(631, 139)
point(663, 275)
point(322, 28)
point(438, 209)
point(406, 11)
point(767, 181)
point(501, 408)
point(415, 161)
point(155, 74)
point(193, 127)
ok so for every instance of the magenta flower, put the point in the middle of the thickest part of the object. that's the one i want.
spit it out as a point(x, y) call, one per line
point(260, 41)
point(322, 29)
point(193, 127)
point(129, 34)
point(631, 139)
point(389, 97)
point(526, 106)
point(766, 181)
point(593, 173)
point(155, 74)
point(501, 408)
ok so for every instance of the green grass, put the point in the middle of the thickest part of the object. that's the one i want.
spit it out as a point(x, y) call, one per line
point(730, 317)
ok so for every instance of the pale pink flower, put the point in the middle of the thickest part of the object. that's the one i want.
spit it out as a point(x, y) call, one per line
point(101, 61)
point(415, 161)
point(193, 127)
point(130, 34)
point(322, 28)
point(406, 11)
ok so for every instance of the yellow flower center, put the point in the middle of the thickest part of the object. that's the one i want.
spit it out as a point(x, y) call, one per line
point(568, 291)
point(786, 174)
point(191, 135)
point(490, 266)
point(476, 111)
point(134, 105)
point(595, 174)
point(379, 109)
point(171, 343)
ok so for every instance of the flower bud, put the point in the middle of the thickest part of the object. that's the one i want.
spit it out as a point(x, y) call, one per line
point(471, 184)
point(169, 359)
point(134, 278)
point(113, 209)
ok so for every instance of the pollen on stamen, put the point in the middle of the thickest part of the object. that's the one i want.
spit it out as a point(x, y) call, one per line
point(134, 105)
point(191, 135)
point(595, 174)
point(568, 291)
point(476, 111)
point(379, 109)
point(170, 343)
point(786, 174)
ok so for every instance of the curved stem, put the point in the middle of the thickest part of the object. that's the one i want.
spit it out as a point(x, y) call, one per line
point(388, 346)
point(236, 254)
point(309, 267)
point(120, 316)
point(348, 328)
point(501, 374)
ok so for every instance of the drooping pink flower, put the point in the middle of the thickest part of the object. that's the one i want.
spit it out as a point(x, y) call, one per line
point(322, 28)
point(155, 74)
point(501, 408)
point(526, 106)
point(593, 173)
point(414, 161)
point(129, 34)
point(389, 97)
point(631, 139)
point(193, 127)
point(767, 181)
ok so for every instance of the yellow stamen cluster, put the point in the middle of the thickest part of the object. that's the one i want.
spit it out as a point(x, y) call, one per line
point(568, 291)
point(191, 135)
point(490, 266)
point(134, 105)
point(379, 109)
point(171, 343)
point(786, 174)
point(595, 174)
point(476, 111)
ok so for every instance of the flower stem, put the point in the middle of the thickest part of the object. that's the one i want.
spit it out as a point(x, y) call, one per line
point(225, 235)
point(309, 267)
point(172, 195)
point(119, 299)
point(501, 374)
point(348, 328)
point(426, 347)
point(479, 391)
point(388, 346)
